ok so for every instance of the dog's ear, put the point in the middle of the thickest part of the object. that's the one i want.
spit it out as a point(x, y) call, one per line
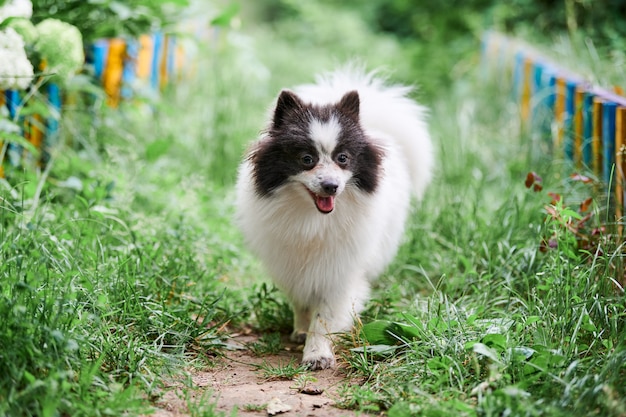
point(350, 104)
point(287, 102)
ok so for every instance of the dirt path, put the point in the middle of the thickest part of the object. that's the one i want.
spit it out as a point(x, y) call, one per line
point(238, 383)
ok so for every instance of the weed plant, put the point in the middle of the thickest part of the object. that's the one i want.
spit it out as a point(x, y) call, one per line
point(113, 266)
point(476, 317)
point(282, 371)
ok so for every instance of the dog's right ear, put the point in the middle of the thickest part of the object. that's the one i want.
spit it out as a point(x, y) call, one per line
point(287, 102)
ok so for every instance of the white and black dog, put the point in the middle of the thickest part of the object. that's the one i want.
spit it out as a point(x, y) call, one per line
point(324, 193)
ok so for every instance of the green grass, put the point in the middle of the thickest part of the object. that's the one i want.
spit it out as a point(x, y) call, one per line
point(478, 320)
point(113, 279)
point(282, 371)
point(107, 288)
point(268, 344)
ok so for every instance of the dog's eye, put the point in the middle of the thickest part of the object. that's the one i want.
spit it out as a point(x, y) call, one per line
point(307, 161)
point(342, 159)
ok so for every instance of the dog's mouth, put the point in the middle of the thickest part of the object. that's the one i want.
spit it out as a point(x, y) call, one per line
point(324, 204)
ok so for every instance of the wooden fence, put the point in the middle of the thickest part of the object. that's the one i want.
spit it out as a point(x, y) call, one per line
point(585, 124)
point(120, 66)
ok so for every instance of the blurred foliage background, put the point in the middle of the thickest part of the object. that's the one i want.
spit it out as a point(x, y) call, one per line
point(109, 18)
point(436, 35)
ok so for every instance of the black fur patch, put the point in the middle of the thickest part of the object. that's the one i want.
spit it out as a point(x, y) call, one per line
point(278, 156)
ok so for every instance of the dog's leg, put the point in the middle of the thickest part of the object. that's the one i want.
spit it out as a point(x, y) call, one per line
point(328, 320)
point(332, 316)
point(301, 323)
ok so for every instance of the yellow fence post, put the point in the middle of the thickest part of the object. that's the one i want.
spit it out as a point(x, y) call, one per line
point(620, 163)
point(596, 138)
point(578, 125)
point(144, 57)
point(112, 76)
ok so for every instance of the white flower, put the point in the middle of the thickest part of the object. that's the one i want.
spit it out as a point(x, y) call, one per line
point(16, 71)
point(61, 45)
point(16, 8)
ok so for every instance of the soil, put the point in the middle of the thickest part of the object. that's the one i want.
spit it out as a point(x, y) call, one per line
point(237, 383)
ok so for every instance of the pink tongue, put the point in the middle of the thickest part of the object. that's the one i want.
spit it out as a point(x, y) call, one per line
point(325, 204)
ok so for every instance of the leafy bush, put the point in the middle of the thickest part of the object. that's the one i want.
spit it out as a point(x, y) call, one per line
point(110, 18)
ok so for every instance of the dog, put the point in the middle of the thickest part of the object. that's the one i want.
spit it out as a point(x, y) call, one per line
point(323, 195)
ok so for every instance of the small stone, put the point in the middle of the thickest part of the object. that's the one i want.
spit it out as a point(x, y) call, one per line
point(276, 406)
point(312, 391)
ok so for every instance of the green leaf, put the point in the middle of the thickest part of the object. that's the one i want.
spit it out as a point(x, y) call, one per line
point(470, 344)
point(157, 149)
point(590, 327)
point(380, 350)
point(569, 213)
point(224, 18)
point(376, 333)
point(35, 107)
point(486, 351)
point(438, 363)
point(495, 340)
point(19, 140)
point(30, 378)
point(404, 331)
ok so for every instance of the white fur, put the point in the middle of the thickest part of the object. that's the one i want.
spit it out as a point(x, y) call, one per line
point(324, 262)
point(325, 134)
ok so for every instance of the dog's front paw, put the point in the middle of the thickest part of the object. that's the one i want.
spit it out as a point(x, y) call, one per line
point(315, 363)
point(318, 352)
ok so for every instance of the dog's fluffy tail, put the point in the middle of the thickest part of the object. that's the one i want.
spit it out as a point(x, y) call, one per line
point(384, 108)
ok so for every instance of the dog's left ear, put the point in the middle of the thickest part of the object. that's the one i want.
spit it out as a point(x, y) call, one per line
point(350, 104)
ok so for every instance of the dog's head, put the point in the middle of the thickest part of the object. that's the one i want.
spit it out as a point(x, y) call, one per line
point(322, 148)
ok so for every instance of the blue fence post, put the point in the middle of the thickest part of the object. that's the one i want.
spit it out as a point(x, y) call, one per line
point(52, 124)
point(608, 139)
point(129, 71)
point(100, 55)
point(51, 137)
point(13, 101)
point(587, 115)
point(568, 119)
point(156, 60)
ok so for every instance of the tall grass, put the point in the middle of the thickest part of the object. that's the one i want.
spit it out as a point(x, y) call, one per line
point(480, 321)
point(113, 275)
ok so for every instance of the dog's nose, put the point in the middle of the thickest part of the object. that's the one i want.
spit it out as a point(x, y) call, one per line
point(329, 187)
